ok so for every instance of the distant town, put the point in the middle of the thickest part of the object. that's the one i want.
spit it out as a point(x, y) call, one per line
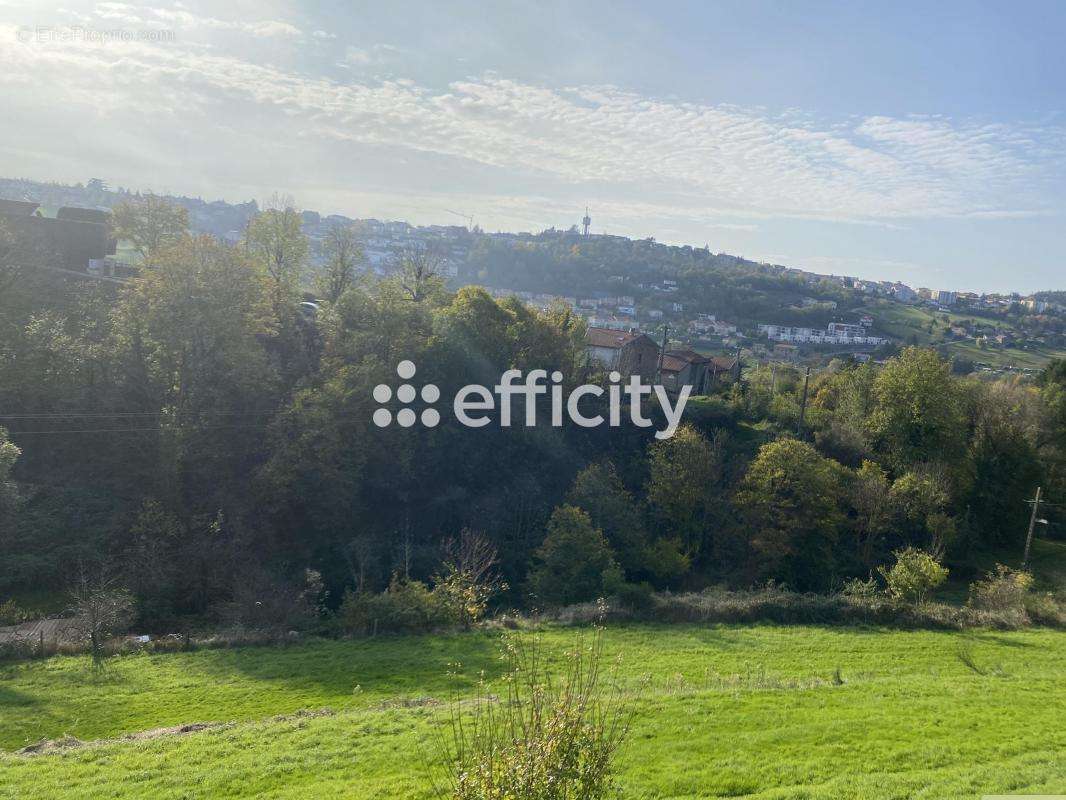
point(798, 314)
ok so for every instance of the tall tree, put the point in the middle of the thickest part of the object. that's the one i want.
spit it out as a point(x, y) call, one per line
point(192, 331)
point(149, 223)
point(684, 473)
point(918, 414)
point(275, 241)
point(790, 497)
point(575, 563)
point(874, 510)
point(343, 255)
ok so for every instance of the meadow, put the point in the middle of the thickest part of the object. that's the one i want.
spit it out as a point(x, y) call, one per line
point(910, 324)
point(757, 711)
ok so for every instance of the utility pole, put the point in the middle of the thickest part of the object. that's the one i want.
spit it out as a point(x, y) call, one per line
point(1032, 524)
point(773, 379)
point(662, 352)
point(803, 402)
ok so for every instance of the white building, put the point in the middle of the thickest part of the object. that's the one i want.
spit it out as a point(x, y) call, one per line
point(843, 335)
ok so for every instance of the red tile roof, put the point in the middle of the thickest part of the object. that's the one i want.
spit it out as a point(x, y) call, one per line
point(689, 356)
point(672, 363)
point(607, 337)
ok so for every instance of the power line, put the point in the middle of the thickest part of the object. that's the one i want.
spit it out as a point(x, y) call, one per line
point(113, 414)
point(141, 430)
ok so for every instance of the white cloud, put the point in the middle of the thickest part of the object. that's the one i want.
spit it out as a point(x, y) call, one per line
point(644, 155)
point(178, 16)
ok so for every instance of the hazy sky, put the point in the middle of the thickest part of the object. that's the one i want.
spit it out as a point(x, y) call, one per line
point(918, 141)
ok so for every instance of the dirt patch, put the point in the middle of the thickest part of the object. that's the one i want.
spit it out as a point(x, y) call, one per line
point(407, 702)
point(46, 746)
point(173, 730)
point(50, 746)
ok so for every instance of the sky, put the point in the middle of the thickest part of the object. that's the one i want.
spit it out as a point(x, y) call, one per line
point(922, 142)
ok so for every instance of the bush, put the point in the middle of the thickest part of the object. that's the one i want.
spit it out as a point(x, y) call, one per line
point(1045, 609)
point(405, 607)
point(264, 602)
point(1002, 589)
point(547, 738)
point(574, 563)
point(469, 579)
point(859, 589)
point(635, 596)
point(914, 576)
point(12, 614)
point(772, 603)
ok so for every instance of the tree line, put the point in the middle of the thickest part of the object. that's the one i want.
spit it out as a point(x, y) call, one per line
point(203, 438)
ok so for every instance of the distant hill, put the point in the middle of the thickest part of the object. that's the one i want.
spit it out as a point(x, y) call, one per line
point(664, 283)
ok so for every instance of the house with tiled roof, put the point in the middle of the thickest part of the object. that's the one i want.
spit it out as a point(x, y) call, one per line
point(628, 352)
point(702, 373)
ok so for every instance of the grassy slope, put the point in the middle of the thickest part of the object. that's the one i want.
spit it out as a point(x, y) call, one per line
point(904, 321)
point(730, 711)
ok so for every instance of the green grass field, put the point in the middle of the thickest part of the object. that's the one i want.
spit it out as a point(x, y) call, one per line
point(730, 711)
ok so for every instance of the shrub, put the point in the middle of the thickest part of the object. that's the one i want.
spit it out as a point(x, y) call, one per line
point(574, 563)
point(635, 596)
point(407, 606)
point(12, 614)
point(1002, 589)
point(99, 610)
point(261, 601)
point(546, 738)
point(859, 589)
point(469, 579)
point(1045, 609)
point(914, 576)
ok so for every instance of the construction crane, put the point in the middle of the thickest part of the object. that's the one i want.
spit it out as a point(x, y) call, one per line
point(468, 217)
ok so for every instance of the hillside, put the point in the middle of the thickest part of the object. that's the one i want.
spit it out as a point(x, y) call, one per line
point(911, 325)
point(640, 283)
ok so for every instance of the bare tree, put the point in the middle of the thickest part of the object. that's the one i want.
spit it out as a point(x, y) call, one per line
point(473, 556)
point(100, 608)
point(420, 272)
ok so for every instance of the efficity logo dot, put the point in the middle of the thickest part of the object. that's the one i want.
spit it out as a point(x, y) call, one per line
point(406, 394)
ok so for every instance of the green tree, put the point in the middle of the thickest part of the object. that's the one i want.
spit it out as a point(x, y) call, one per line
point(790, 499)
point(190, 334)
point(599, 492)
point(9, 454)
point(149, 223)
point(275, 241)
point(918, 413)
point(343, 255)
point(870, 494)
point(575, 562)
point(914, 575)
point(1006, 463)
point(685, 471)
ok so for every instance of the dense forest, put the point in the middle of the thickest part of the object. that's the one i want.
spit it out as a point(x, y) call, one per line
point(200, 438)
